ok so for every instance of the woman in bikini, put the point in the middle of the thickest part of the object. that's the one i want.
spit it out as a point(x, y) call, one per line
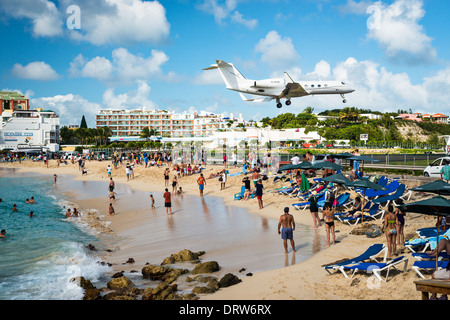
point(328, 215)
point(401, 224)
point(391, 222)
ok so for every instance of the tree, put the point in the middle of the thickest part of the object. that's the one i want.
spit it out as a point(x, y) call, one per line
point(83, 123)
point(145, 133)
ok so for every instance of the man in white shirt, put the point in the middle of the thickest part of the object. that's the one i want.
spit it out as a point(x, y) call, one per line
point(295, 159)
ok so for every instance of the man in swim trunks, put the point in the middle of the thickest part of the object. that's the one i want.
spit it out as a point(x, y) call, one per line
point(288, 223)
point(201, 184)
point(167, 201)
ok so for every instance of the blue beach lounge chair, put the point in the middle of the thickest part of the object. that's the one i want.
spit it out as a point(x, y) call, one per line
point(375, 268)
point(427, 256)
point(370, 254)
point(420, 266)
point(398, 194)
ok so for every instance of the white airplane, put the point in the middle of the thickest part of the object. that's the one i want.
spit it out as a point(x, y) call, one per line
point(276, 88)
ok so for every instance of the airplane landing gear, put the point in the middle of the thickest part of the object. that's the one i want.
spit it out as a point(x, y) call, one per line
point(279, 105)
point(343, 97)
point(288, 102)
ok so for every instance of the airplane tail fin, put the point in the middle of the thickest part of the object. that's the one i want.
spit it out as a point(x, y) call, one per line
point(231, 76)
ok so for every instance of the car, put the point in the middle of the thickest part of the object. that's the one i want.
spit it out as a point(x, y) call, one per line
point(433, 170)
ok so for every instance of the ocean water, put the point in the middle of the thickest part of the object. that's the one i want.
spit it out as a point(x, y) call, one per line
point(42, 253)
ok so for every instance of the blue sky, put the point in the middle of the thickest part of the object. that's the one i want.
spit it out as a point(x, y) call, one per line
point(134, 53)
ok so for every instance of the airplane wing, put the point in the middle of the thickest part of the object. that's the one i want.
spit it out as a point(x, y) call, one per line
point(256, 100)
point(293, 89)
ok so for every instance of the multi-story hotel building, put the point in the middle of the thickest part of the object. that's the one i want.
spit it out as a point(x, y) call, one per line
point(22, 129)
point(125, 123)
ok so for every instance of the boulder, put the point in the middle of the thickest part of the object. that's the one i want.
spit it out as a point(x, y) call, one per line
point(229, 280)
point(164, 291)
point(83, 283)
point(206, 267)
point(120, 283)
point(162, 273)
point(91, 294)
point(183, 255)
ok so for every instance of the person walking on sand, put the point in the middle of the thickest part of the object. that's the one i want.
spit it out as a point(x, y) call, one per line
point(166, 177)
point(328, 216)
point(288, 223)
point(111, 185)
point(111, 210)
point(153, 201)
point(259, 193)
point(174, 184)
point(201, 184)
point(167, 202)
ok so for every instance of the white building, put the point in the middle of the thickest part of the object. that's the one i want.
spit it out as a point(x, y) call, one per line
point(29, 130)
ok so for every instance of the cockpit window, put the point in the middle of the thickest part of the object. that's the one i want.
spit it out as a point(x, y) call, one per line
point(343, 83)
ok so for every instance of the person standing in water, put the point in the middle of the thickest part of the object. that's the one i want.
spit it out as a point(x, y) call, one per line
point(288, 223)
point(167, 201)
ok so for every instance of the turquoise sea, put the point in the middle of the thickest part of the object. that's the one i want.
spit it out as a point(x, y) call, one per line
point(42, 253)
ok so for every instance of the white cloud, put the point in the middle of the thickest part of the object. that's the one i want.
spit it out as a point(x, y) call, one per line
point(45, 17)
point(37, 70)
point(124, 67)
point(279, 54)
point(396, 28)
point(222, 10)
point(102, 22)
point(133, 99)
point(122, 21)
point(239, 18)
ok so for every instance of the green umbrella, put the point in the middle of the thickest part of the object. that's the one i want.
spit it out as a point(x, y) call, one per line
point(327, 165)
point(302, 165)
point(439, 187)
point(304, 185)
point(437, 206)
point(286, 167)
point(337, 178)
point(365, 184)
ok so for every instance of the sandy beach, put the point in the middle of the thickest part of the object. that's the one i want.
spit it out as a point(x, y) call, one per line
point(304, 279)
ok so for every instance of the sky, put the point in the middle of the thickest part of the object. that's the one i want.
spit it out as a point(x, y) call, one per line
point(77, 57)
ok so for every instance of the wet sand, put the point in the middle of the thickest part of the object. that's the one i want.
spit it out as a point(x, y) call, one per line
point(230, 235)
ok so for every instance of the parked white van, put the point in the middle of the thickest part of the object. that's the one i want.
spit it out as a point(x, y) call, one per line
point(434, 169)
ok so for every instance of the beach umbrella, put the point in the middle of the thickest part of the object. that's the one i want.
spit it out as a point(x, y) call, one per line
point(437, 206)
point(438, 187)
point(304, 185)
point(286, 167)
point(327, 165)
point(302, 165)
point(337, 178)
point(365, 184)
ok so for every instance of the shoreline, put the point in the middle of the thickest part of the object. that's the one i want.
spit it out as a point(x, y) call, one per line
point(303, 280)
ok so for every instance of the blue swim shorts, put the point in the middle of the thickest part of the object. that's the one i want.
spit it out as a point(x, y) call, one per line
point(201, 186)
point(286, 234)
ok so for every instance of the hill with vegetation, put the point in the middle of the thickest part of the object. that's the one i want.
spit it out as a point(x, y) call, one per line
point(349, 123)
